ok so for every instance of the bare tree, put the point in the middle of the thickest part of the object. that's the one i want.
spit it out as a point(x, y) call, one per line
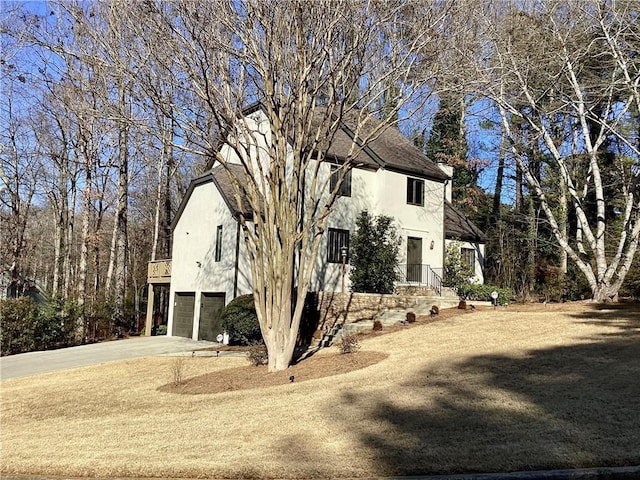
point(331, 66)
point(568, 71)
point(20, 171)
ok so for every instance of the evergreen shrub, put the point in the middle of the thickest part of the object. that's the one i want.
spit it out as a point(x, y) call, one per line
point(18, 318)
point(240, 321)
point(27, 327)
point(374, 254)
point(482, 293)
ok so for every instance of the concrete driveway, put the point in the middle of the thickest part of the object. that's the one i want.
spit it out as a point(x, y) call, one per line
point(32, 363)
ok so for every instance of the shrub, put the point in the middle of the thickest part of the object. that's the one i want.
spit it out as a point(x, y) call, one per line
point(374, 254)
point(411, 317)
point(18, 318)
point(177, 370)
point(456, 271)
point(377, 325)
point(239, 319)
point(348, 343)
point(257, 354)
point(26, 327)
point(483, 293)
point(59, 324)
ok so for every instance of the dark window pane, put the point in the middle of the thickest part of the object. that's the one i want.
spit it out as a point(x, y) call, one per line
point(218, 243)
point(468, 256)
point(345, 188)
point(337, 239)
point(415, 191)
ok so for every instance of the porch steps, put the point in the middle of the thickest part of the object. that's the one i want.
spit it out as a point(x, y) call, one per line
point(448, 299)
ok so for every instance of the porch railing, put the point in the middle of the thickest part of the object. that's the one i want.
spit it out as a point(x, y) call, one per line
point(420, 275)
point(159, 271)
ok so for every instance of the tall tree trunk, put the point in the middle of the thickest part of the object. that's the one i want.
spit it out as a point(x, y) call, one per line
point(497, 191)
point(121, 246)
point(86, 241)
point(70, 230)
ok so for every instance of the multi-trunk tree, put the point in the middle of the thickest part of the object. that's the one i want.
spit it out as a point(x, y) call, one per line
point(332, 66)
point(538, 67)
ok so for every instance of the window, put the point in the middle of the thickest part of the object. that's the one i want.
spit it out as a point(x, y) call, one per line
point(469, 257)
point(337, 239)
point(218, 243)
point(415, 191)
point(345, 188)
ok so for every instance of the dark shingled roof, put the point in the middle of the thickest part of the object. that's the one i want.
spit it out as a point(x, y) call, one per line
point(224, 184)
point(459, 227)
point(389, 149)
point(219, 176)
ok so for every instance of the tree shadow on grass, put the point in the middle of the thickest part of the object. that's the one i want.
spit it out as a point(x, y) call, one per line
point(562, 407)
point(624, 317)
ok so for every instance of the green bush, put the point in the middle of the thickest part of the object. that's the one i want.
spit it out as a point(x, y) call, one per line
point(58, 324)
point(239, 319)
point(456, 271)
point(481, 293)
point(374, 254)
point(18, 321)
point(26, 328)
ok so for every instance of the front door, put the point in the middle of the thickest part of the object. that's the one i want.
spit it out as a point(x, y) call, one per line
point(414, 259)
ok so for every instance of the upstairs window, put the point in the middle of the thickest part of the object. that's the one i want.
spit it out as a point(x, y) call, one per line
point(336, 241)
point(415, 191)
point(345, 188)
point(218, 255)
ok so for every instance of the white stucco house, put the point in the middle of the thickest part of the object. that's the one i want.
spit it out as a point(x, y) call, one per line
point(210, 263)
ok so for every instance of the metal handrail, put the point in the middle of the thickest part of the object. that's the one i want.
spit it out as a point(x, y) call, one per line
point(419, 275)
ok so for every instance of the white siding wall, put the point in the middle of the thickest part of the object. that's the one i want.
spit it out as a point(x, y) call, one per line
point(384, 193)
point(194, 268)
point(414, 221)
point(479, 249)
point(364, 196)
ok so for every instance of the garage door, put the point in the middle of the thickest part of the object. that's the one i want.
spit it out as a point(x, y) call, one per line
point(183, 314)
point(211, 305)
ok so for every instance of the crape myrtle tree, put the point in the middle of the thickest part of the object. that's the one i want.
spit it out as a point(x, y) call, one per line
point(374, 254)
point(312, 66)
point(569, 74)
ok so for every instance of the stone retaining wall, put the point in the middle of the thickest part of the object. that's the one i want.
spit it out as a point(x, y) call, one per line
point(336, 308)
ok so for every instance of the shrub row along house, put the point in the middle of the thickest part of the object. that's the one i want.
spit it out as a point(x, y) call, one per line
point(210, 264)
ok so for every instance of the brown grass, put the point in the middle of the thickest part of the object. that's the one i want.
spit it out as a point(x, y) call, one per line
point(512, 389)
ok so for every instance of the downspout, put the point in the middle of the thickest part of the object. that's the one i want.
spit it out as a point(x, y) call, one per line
point(237, 262)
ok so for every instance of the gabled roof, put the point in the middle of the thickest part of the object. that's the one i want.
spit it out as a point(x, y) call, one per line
point(458, 227)
point(390, 149)
point(220, 178)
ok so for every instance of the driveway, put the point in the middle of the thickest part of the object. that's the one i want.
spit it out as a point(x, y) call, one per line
point(32, 363)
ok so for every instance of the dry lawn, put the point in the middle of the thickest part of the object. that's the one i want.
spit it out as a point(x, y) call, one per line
point(515, 388)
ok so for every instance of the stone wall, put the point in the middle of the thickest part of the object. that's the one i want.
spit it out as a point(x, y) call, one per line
point(336, 308)
point(414, 290)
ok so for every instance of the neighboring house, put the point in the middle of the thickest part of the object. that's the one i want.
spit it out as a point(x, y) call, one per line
point(210, 263)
